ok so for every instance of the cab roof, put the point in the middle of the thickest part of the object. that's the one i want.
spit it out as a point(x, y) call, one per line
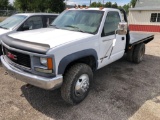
point(33, 14)
point(98, 9)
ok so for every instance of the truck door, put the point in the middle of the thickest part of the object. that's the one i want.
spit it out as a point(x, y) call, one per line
point(108, 53)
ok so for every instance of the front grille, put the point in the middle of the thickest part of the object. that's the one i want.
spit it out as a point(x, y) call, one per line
point(18, 58)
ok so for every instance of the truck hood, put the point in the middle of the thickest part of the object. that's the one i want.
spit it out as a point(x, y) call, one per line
point(52, 37)
point(3, 31)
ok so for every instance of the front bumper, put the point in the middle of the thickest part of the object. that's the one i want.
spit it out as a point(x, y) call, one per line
point(42, 82)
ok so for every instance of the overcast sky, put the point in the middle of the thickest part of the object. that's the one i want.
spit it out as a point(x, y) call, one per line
point(81, 2)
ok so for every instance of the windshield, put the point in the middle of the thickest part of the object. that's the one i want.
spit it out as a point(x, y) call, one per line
point(87, 21)
point(12, 21)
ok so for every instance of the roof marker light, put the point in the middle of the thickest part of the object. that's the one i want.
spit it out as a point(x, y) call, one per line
point(101, 8)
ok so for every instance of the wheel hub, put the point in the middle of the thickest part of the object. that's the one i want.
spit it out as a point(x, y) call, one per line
point(82, 85)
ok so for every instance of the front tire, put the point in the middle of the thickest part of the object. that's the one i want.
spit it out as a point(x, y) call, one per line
point(76, 84)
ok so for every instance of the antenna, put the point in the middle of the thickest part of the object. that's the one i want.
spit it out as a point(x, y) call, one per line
point(90, 2)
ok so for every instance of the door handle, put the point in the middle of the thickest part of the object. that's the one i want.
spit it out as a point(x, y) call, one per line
point(123, 38)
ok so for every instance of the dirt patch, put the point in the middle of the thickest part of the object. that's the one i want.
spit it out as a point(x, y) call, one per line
point(2, 18)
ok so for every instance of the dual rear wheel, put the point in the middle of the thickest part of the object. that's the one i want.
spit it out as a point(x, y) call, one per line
point(136, 53)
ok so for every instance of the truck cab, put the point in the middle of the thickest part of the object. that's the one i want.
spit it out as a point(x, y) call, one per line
point(65, 55)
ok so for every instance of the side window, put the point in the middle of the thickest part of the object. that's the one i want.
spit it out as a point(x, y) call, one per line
point(111, 23)
point(34, 22)
point(48, 20)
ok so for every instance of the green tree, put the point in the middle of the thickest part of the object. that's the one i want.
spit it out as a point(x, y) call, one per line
point(56, 5)
point(133, 3)
point(108, 4)
point(94, 4)
point(99, 4)
point(10, 7)
point(114, 5)
point(83, 5)
point(126, 8)
point(21, 5)
point(4, 4)
point(40, 5)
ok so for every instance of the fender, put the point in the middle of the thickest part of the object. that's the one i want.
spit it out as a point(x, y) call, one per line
point(75, 56)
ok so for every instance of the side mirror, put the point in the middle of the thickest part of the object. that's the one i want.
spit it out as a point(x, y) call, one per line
point(122, 28)
point(25, 27)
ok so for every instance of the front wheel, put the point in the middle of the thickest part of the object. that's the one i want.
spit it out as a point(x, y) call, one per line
point(77, 82)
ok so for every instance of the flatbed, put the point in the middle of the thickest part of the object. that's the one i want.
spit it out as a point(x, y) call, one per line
point(136, 38)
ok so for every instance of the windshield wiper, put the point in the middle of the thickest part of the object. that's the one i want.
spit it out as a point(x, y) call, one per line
point(77, 28)
point(3, 27)
point(54, 26)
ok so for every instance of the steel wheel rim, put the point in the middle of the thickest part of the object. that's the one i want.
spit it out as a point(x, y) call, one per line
point(82, 85)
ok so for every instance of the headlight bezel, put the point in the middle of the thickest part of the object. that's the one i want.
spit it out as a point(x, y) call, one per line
point(45, 65)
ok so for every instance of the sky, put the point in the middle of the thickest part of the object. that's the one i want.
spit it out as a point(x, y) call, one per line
point(86, 2)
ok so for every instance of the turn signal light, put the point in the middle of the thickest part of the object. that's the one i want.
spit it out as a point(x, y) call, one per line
point(49, 63)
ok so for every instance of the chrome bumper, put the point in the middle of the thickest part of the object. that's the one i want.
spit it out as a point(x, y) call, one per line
point(42, 82)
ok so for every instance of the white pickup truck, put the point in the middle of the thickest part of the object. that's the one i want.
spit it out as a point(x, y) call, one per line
point(65, 55)
point(25, 21)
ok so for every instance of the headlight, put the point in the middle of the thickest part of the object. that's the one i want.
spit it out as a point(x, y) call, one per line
point(43, 61)
point(47, 62)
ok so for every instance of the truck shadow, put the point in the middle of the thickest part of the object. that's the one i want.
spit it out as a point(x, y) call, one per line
point(118, 91)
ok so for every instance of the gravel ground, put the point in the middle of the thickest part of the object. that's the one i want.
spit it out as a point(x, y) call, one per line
point(121, 91)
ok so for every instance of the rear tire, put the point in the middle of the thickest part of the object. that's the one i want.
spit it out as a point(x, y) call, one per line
point(129, 55)
point(138, 53)
point(76, 84)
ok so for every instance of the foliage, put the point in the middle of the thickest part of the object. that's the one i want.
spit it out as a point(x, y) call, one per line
point(4, 4)
point(126, 8)
point(96, 4)
point(84, 6)
point(114, 5)
point(108, 4)
point(40, 5)
point(133, 3)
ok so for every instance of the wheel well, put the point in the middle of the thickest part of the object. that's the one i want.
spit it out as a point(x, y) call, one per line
point(89, 60)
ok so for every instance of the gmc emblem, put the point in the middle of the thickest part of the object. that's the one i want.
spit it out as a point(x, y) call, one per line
point(12, 56)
